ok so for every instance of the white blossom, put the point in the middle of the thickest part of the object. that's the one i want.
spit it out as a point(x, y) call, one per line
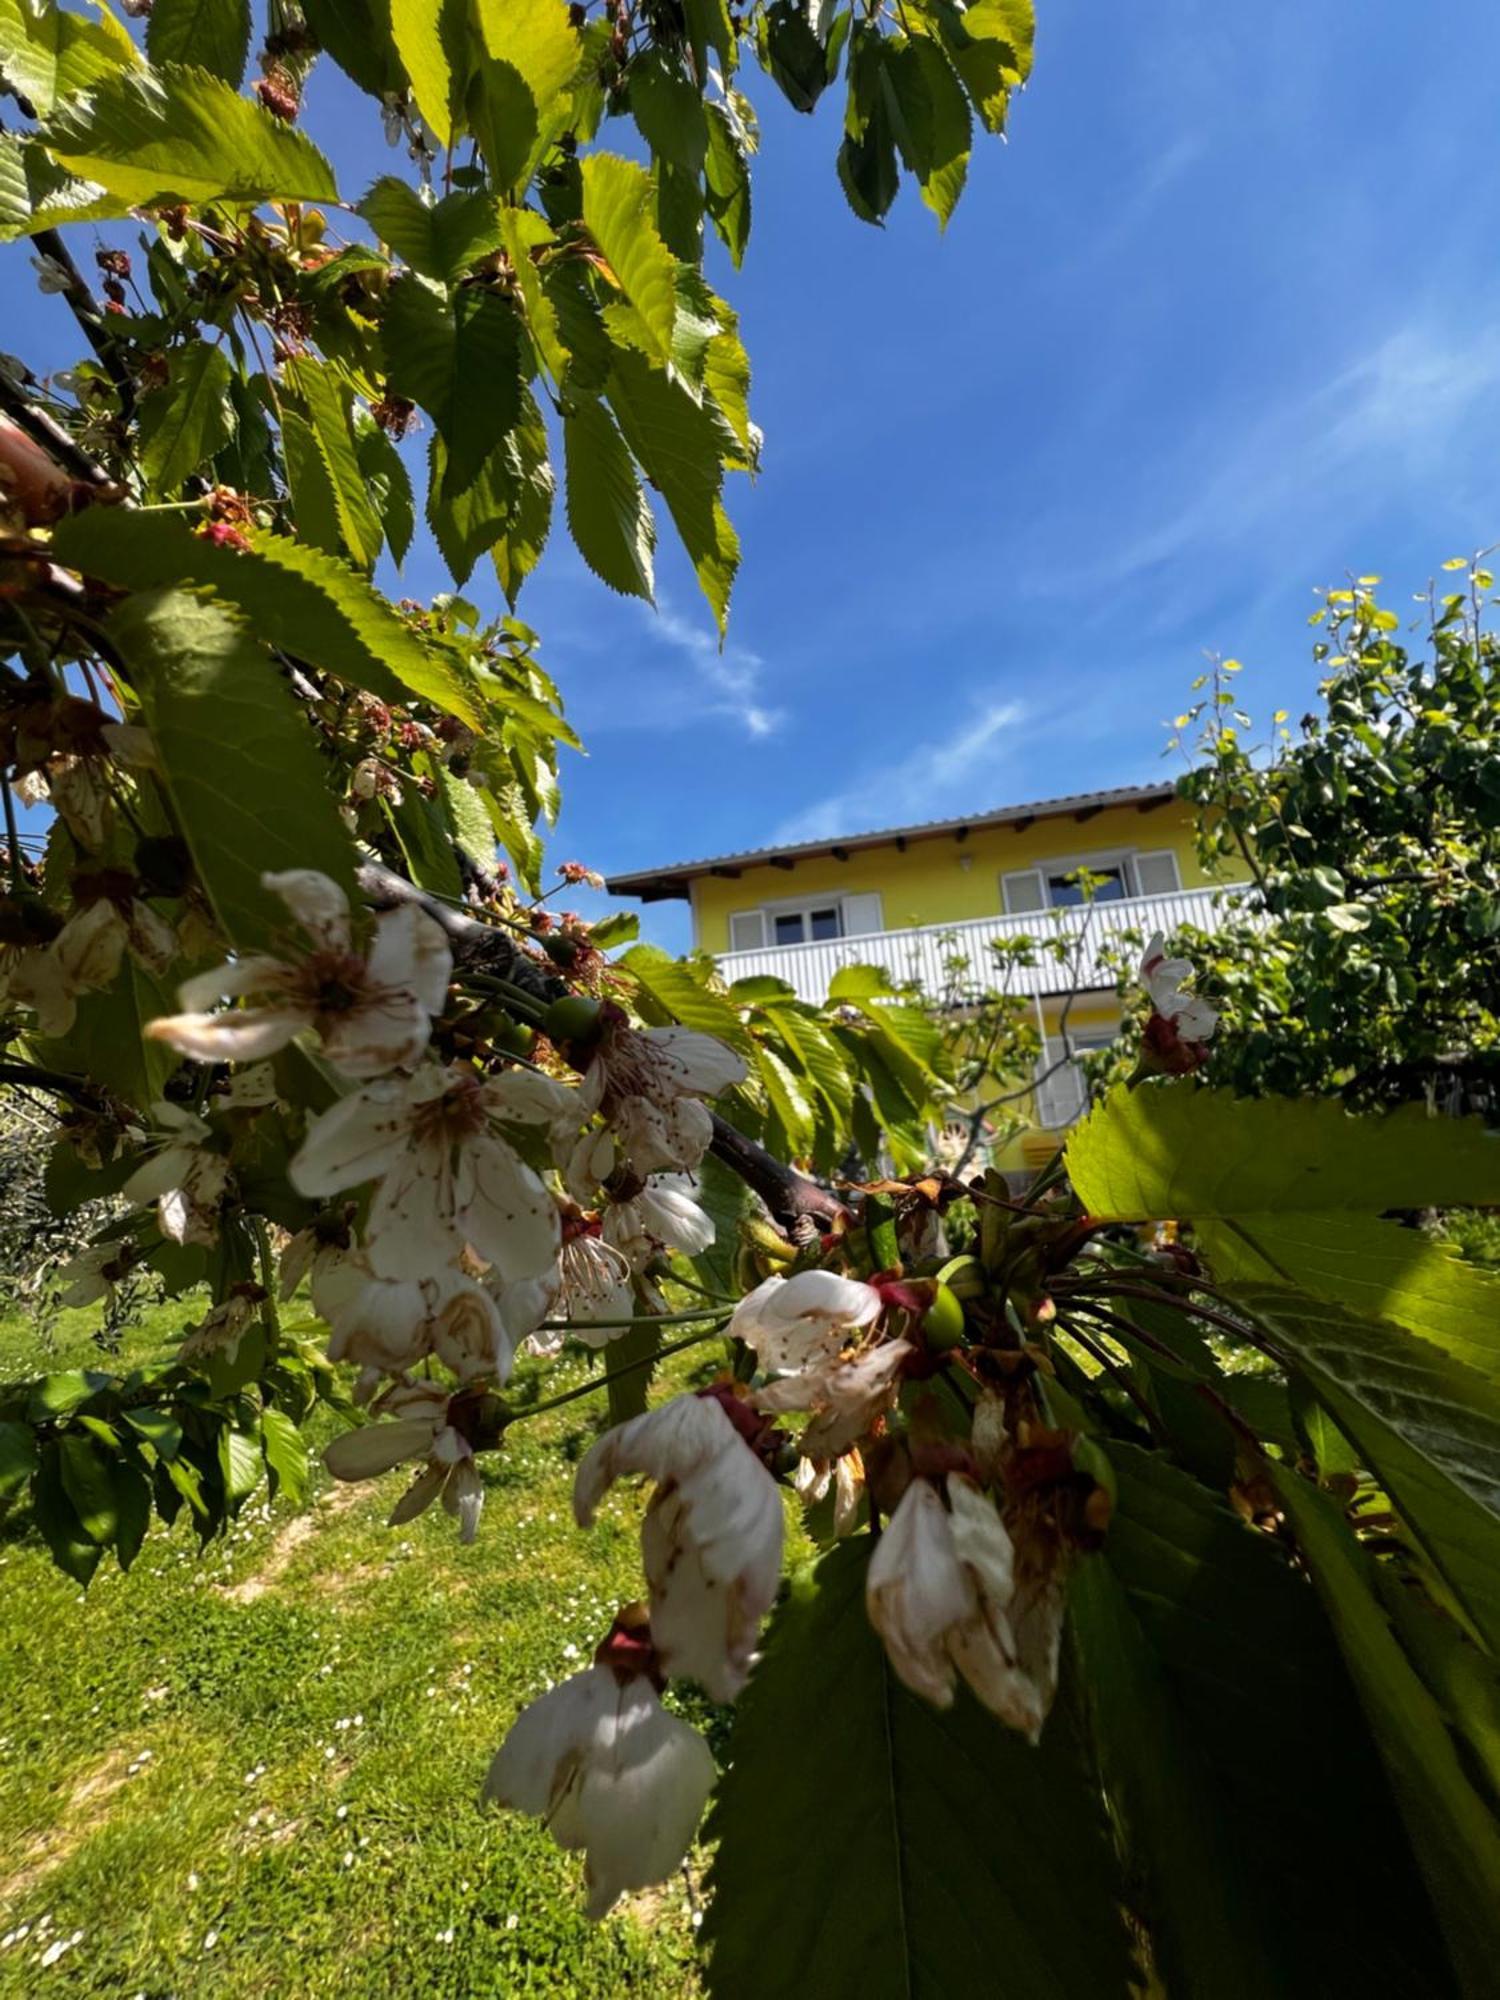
point(447, 1178)
point(650, 1084)
point(846, 1475)
point(1163, 979)
point(845, 1392)
point(372, 1011)
point(391, 1324)
point(608, 1770)
point(710, 1540)
point(219, 1331)
point(93, 1274)
point(415, 1425)
point(791, 1323)
point(663, 1216)
point(938, 1591)
point(183, 1176)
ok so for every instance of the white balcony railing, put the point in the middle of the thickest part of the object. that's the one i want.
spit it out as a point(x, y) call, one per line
point(924, 951)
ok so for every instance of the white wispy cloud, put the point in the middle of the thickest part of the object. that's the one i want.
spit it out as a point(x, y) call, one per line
point(1396, 410)
point(935, 780)
point(731, 678)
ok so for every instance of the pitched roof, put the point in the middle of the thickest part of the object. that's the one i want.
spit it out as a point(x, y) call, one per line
point(652, 885)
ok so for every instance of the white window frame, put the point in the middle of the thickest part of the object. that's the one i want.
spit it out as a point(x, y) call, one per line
point(1122, 858)
point(787, 906)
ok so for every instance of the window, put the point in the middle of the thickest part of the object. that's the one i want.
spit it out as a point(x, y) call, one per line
point(1065, 889)
point(1055, 885)
point(807, 926)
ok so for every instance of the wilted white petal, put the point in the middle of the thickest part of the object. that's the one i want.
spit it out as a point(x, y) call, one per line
point(318, 903)
point(916, 1593)
point(711, 1540)
point(611, 1772)
point(354, 1140)
point(375, 1448)
point(792, 1322)
point(505, 1211)
point(699, 1064)
point(245, 1036)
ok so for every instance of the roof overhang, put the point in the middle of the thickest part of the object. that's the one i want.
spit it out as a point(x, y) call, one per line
point(655, 885)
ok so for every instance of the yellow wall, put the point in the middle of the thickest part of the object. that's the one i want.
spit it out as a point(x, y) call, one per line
point(943, 880)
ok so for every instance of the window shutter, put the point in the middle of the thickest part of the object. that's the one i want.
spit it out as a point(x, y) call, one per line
point(1060, 1096)
point(1156, 874)
point(747, 930)
point(1023, 890)
point(863, 915)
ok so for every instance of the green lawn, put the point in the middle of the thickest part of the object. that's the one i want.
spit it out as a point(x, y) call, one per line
point(256, 1772)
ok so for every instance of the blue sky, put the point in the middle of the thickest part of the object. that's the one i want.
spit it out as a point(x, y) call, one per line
point(1218, 323)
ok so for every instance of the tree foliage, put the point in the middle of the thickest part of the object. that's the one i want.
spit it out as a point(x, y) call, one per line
point(1153, 1633)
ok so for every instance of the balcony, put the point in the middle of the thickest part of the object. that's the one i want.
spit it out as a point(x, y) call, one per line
point(924, 952)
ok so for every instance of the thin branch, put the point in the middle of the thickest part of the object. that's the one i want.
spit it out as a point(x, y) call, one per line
point(787, 1194)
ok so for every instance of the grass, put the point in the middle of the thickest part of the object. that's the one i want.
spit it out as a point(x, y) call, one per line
point(257, 1771)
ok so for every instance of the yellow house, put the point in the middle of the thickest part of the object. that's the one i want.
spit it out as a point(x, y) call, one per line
point(915, 898)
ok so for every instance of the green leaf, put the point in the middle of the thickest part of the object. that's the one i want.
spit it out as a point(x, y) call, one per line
point(618, 210)
point(1177, 1150)
point(678, 445)
point(459, 358)
point(726, 183)
point(537, 40)
point(87, 1483)
point(389, 483)
point(106, 1042)
point(608, 513)
point(187, 419)
point(1210, 1675)
point(35, 193)
point(239, 763)
point(682, 998)
point(860, 982)
point(214, 34)
point(1378, 1269)
point(930, 120)
point(159, 1428)
point(315, 508)
point(132, 1497)
point(18, 1456)
point(441, 241)
point(666, 105)
point(305, 602)
point(517, 550)
point(47, 54)
point(285, 1454)
point(1423, 1423)
point(76, 1554)
point(181, 135)
point(950, 1856)
point(990, 45)
point(1453, 1831)
point(503, 117)
point(791, 1106)
point(240, 1465)
point(431, 38)
point(791, 51)
point(867, 165)
point(61, 1394)
point(357, 34)
point(327, 404)
point(710, 26)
